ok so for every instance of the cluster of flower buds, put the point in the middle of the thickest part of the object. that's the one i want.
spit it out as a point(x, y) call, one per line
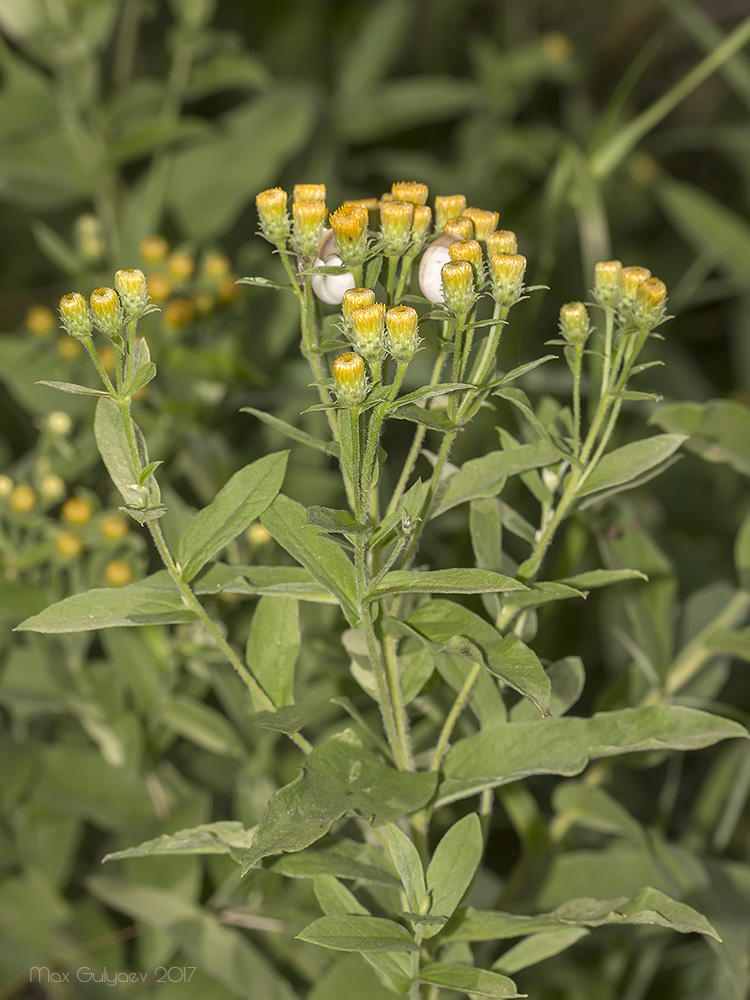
point(639, 298)
point(109, 309)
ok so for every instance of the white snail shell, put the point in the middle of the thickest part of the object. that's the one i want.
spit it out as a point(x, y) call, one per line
point(433, 259)
point(330, 288)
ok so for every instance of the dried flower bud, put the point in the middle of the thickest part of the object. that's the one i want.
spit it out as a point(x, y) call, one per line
point(607, 282)
point(650, 303)
point(154, 249)
point(507, 271)
point(402, 324)
point(485, 222)
point(420, 223)
point(350, 227)
point(355, 298)
point(630, 279)
point(469, 250)
point(75, 316)
point(307, 231)
point(395, 226)
point(458, 286)
point(502, 241)
point(368, 332)
point(574, 323)
point(107, 310)
point(309, 192)
point(462, 228)
point(448, 206)
point(349, 378)
point(131, 287)
point(411, 191)
point(274, 220)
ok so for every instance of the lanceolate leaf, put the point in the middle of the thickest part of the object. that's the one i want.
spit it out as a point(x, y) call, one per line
point(349, 932)
point(624, 464)
point(441, 621)
point(718, 429)
point(273, 646)
point(107, 607)
point(113, 445)
point(286, 520)
point(276, 581)
point(476, 982)
point(235, 507)
point(225, 837)
point(444, 581)
point(565, 746)
point(452, 869)
point(290, 430)
point(339, 778)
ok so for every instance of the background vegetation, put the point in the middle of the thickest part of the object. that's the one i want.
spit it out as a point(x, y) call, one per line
point(607, 130)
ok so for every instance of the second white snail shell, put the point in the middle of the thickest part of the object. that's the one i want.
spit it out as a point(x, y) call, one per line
point(330, 288)
point(433, 259)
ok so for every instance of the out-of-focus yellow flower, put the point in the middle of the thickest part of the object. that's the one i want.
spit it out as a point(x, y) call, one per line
point(113, 527)
point(40, 321)
point(75, 510)
point(118, 573)
point(23, 498)
point(68, 544)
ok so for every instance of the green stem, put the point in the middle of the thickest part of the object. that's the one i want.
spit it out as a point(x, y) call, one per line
point(462, 699)
point(577, 362)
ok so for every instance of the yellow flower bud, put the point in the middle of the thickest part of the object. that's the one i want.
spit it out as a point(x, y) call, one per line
point(349, 379)
point(650, 303)
point(355, 298)
point(88, 238)
point(402, 324)
point(215, 265)
point(485, 222)
point(158, 287)
point(181, 265)
point(607, 282)
point(274, 220)
point(107, 310)
point(502, 241)
point(40, 321)
point(630, 279)
point(507, 271)
point(574, 323)
point(469, 250)
point(113, 527)
point(153, 249)
point(368, 332)
point(350, 227)
point(449, 206)
point(309, 219)
point(131, 287)
point(457, 278)
point(395, 226)
point(258, 536)
point(118, 572)
point(22, 499)
point(309, 192)
point(68, 544)
point(51, 487)
point(76, 511)
point(462, 228)
point(420, 223)
point(75, 316)
point(411, 191)
point(59, 423)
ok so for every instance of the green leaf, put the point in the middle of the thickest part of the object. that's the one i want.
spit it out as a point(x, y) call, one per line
point(625, 464)
point(486, 476)
point(567, 678)
point(145, 515)
point(224, 837)
point(647, 906)
point(339, 778)
point(408, 864)
point(341, 858)
point(444, 581)
point(286, 521)
point(275, 581)
point(427, 392)
point(202, 725)
point(273, 646)
point(144, 368)
point(538, 947)
point(291, 431)
point(542, 593)
point(335, 899)
point(78, 390)
point(330, 519)
point(113, 445)
point(718, 430)
point(477, 982)
point(107, 607)
point(433, 419)
point(223, 953)
point(594, 578)
point(247, 494)
point(452, 868)
point(349, 932)
point(441, 621)
point(742, 554)
point(565, 746)
point(286, 720)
